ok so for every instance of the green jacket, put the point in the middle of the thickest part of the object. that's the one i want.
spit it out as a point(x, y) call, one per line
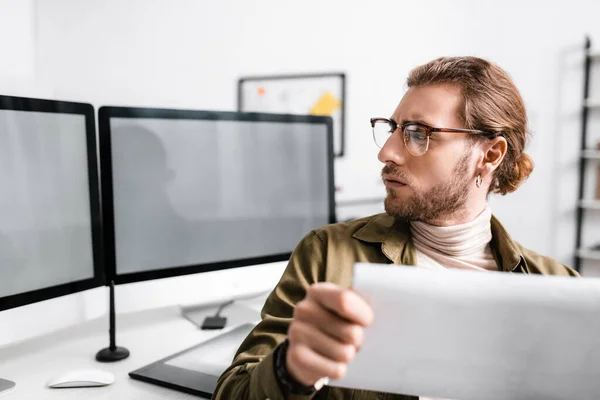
point(328, 254)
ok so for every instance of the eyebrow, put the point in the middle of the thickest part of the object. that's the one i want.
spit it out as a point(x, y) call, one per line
point(417, 120)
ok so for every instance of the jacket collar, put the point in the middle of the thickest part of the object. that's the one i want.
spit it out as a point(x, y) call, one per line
point(396, 242)
point(507, 253)
point(394, 236)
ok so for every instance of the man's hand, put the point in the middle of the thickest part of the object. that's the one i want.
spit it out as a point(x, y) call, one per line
point(327, 331)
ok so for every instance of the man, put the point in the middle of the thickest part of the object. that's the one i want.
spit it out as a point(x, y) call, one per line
point(457, 135)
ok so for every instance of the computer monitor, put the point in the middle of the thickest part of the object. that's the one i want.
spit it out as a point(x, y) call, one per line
point(187, 191)
point(49, 203)
point(196, 191)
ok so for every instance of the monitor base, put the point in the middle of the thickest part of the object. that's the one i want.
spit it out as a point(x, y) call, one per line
point(6, 385)
point(214, 322)
point(241, 310)
point(112, 355)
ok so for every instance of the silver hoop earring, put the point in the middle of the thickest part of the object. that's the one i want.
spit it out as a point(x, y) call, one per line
point(478, 181)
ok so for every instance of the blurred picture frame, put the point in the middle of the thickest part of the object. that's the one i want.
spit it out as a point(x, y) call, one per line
point(312, 94)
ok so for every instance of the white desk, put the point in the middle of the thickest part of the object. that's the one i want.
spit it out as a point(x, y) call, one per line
point(149, 336)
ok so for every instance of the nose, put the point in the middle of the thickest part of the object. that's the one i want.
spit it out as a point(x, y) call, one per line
point(393, 150)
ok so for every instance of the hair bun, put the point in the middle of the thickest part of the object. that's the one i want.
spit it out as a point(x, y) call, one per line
point(520, 172)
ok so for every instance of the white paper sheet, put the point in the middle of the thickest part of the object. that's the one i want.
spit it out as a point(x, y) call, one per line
point(469, 335)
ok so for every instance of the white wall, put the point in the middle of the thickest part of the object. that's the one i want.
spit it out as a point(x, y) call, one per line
point(189, 53)
point(17, 46)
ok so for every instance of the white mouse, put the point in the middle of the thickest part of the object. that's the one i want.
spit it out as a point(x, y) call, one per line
point(82, 378)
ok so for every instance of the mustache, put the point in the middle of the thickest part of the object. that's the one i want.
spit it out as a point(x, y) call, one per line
point(394, 172)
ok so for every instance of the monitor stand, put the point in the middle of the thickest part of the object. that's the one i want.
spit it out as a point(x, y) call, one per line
point(6, 385)
point(112, 353)
point(227, 313)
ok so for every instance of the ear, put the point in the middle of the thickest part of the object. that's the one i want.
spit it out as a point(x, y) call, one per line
point(493, 154)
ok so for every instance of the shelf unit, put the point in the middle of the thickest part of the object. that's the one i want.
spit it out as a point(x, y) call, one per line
point(587, 156)
point(590, 204)
point(589, 255)
point(590, 154)
point(593, 103)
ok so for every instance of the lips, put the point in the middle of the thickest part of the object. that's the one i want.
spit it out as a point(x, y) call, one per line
point(393, 180)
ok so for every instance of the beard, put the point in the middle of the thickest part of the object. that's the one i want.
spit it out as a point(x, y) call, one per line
point(442, 200)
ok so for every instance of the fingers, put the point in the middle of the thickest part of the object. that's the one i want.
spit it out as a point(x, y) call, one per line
point(307, 366)
point(327, 329)
point(313, 314)
point(321, 343)
point(343, 302)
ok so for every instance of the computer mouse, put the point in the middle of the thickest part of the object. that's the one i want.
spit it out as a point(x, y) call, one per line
point(82, 378)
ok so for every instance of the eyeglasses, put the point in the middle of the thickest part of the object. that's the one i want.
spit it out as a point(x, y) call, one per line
point(415, 134)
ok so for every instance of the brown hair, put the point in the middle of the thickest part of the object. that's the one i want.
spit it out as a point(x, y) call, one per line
point(491, 102)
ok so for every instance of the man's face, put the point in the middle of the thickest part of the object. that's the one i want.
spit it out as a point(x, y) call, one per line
point(437, 185)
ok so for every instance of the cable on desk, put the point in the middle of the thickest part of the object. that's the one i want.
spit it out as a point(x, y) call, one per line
point(222, 306)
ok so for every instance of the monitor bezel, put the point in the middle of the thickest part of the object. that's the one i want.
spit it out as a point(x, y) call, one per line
point(105, 113)
point(87, 110)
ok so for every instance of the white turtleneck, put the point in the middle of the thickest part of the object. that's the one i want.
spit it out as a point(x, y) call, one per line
point(465, 246)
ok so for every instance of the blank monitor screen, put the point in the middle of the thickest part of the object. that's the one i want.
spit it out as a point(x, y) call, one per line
point(47, 200)
point(193, 188)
